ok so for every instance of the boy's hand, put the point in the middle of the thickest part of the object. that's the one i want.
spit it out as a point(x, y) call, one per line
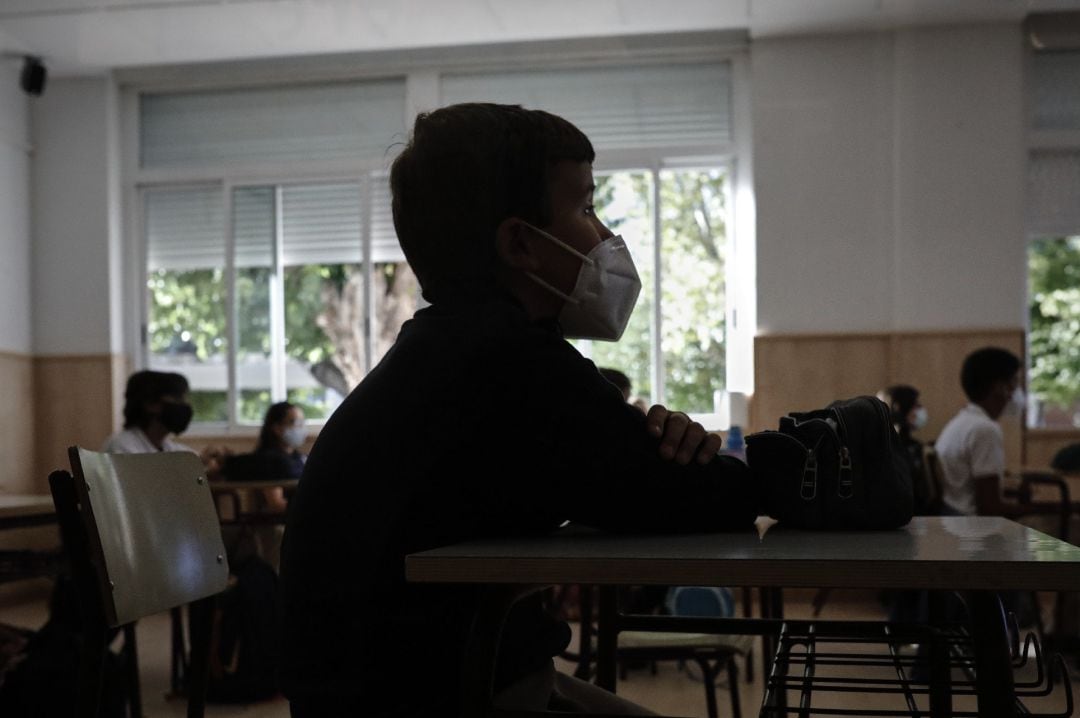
point(680, 438)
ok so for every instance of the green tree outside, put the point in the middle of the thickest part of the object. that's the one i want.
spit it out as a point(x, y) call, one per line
point(1054, 338)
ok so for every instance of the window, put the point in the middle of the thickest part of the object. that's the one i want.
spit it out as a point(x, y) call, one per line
point(272, 270)
point(261, 291)
point(677, 355)
point(298, 288)
point(1053, 223)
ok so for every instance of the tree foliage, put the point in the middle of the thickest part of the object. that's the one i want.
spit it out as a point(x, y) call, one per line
point(692, 293)
point(1054, 309)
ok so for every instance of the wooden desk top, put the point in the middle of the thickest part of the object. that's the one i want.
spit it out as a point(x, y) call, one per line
point(218, 487)
point(930, 553)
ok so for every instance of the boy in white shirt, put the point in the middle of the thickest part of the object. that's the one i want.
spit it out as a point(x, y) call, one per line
point(971, 446)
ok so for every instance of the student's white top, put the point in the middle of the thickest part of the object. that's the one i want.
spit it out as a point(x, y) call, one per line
point(135, 441)
point(970, 445)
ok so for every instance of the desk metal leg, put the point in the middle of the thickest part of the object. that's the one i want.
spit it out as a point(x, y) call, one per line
point(993, 667)
point(608, 637)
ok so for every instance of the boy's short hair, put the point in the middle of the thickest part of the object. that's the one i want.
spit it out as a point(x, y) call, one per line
point(902, 399)
point(465, 169)
point(985, 367)
point(146, 387)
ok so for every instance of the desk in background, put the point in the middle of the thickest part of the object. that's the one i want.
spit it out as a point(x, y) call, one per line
point(24, 511)
point(981, 555)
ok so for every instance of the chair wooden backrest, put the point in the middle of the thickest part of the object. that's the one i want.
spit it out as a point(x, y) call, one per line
point(153, 530)
point(142, 535)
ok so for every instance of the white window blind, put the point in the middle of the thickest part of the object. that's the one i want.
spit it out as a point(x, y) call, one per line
point(321, 224)
point(185, 228)
point(271, 125)
point(1056, 91)
point(618, 108)
point(1053, 193)
point(254, 226)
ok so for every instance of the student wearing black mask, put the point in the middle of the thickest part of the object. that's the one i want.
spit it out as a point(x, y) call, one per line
point(155, 409)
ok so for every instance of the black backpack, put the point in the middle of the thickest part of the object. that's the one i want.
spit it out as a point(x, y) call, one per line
point(244, 660)
point(841, 467)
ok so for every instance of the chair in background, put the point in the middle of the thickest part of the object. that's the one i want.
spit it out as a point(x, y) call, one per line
point(712, 653)
point(142, 536)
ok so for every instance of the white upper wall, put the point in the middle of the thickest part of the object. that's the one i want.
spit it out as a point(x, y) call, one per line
point(79, 37)
point(15, 320)
point(961, 161)
point(889, 173)
point(75, 219)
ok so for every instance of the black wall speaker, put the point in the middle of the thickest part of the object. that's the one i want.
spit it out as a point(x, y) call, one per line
point(33, 76)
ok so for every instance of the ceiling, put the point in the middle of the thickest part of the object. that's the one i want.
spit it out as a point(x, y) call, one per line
point(79, 37)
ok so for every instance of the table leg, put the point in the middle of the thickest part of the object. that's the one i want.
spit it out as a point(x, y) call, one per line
point(608, 637)
point(585, 650)
point(993, 665)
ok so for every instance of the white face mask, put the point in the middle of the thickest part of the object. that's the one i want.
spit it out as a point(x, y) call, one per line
point(605, 293)
point(294, 436)
point(920, 418)
point(1016, 403)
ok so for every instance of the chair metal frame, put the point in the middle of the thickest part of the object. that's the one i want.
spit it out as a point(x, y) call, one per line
point(101, 600)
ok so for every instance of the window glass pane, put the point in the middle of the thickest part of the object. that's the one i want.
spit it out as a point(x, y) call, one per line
point(1054, 339)
point(254, 231)
point(186, 327)
point(324, 334)
point(624, 203)
point(397, 293)
point(693, 222)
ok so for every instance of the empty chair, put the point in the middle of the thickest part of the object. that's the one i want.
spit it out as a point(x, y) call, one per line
point(142, 536)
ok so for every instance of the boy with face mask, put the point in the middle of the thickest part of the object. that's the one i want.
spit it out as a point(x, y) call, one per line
point(971, 446)
point(482, 420)
point(155, 409)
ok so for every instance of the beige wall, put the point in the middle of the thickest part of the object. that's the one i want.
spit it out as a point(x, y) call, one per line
point(17, 425)
point(77, 400)
point(800, 372)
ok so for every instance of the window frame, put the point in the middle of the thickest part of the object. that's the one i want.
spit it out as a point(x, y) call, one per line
point(423, 91)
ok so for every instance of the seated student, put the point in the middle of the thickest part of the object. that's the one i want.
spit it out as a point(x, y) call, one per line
point(909, 415)
point(155, 409)
point(971, 446)
point(482, 420)
point(278, 448)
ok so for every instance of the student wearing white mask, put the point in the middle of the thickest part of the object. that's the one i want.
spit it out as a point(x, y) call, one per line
point(909, 415)
point(483, 420)
point(971, 446)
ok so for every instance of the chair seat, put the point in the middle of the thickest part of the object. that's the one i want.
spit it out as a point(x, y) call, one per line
point(686, 641)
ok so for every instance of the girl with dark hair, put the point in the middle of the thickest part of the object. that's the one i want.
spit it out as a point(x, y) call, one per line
point(278, 450)
point(281, 437)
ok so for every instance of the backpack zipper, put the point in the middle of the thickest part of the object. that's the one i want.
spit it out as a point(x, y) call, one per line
point(845, 484)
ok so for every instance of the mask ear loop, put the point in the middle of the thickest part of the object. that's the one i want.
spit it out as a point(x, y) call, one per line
point(546, 285)
point(561, 243)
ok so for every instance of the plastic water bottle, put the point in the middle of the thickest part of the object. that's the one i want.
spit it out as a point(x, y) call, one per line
point(735, 446)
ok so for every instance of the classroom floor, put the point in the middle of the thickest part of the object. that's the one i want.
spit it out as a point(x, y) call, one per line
point(670, 691)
